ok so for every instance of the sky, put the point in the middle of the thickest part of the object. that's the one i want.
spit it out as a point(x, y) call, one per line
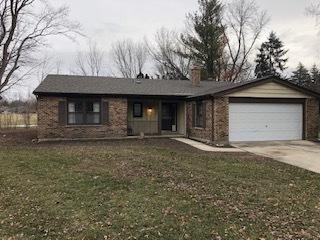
point(106, 21)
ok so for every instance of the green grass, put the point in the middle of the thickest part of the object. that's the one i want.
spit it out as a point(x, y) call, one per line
point(155, 189)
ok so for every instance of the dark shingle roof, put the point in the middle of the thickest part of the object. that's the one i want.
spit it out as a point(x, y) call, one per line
point(67, 84)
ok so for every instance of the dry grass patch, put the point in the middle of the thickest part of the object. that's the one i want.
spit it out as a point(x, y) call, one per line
point(152, 189)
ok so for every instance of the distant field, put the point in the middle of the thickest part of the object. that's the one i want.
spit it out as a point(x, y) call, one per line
point(12, 120)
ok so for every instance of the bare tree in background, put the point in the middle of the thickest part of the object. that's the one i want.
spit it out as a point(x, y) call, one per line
point(129, 57)
point(167, 52)
point(91, 62)
point(244, 25)
point(45, 67)
point(314, 10)
point(23, 30)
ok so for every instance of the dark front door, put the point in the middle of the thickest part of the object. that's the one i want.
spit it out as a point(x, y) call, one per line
point(169, 117)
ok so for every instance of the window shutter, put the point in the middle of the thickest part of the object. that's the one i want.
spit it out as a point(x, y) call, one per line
point(62, 113)
point(204, 109)
point(193, 114)
point(105, 112)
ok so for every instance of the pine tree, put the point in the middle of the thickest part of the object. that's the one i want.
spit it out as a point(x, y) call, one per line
point(301, 76)
point(262, 68)
point(315, 75)
point(207, 37)
point(271, 58)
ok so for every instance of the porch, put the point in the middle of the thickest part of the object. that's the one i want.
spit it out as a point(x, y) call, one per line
point(156, 117)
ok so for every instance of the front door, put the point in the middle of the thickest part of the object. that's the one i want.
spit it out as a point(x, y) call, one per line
point(169, 117)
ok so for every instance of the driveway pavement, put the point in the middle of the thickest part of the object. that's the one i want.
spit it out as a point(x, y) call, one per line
point(303, 154)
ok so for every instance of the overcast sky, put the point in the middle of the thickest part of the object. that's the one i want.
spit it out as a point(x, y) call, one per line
point(105, 21)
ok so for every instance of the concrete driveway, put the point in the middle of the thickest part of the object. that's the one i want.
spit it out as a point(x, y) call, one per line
point(303, 154)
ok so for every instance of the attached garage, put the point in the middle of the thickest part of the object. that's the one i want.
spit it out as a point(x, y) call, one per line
point(265, 109)
point(266, 112)
point(265, 121)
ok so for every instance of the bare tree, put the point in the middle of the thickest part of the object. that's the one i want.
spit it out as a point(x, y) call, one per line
point(168, 54)
point(23, 29)
point(129, 57)
point(314, 11)
point(244, 25)
point(90, 62)
point(44, 68)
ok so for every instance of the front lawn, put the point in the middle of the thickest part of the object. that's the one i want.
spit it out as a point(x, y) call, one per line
point(152, 189)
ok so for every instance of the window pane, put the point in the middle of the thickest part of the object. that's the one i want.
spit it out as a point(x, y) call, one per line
point(79, 118)
point(137, 110)
point(71, 118)
point(93, 118)
point(93, 107)
point(89, 106)
point(78, 107)
point(71, 107)
point(96, 107)
point(199, 114)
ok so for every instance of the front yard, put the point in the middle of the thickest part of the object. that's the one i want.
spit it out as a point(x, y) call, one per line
point(151, 189)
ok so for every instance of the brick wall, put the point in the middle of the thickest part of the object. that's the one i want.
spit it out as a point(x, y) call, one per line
point(221, 120)
point(312, 119)
point(202, 134)
point(49, 127)
point(217, 121)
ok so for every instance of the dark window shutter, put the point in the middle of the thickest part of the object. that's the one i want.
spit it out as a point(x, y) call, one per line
point(62, 113)
point(105, 112)
point(193, 114)
point(204, 109)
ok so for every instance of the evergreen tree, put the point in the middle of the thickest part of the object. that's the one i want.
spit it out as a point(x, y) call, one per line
point(206, 39)
point(262, 68)
point(271, 58)
point(301, 76)
point(315, 75)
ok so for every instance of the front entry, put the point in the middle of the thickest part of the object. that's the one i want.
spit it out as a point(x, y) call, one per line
point(169, 117)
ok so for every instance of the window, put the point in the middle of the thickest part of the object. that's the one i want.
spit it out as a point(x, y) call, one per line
point(84, 112)
point(137, 110)
point(199, 114)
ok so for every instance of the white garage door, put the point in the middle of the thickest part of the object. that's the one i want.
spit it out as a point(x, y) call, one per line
point(265, 121)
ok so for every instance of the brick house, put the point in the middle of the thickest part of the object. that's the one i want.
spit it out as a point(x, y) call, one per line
point(81, 107)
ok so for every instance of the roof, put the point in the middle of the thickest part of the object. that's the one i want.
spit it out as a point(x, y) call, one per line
point(68, 84)
point(223, 90)
point(87, 85)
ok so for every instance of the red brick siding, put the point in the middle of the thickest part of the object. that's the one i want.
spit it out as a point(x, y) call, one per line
point(203, 134)
point(221, 120)
point(217, 121)
point(49, 128)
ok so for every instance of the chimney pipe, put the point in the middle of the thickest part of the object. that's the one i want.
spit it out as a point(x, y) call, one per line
point(196, 75)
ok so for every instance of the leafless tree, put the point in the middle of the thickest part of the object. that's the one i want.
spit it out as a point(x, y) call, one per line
point(244, 25)
point(23, 29)
point(129, 57)
point(90, 62)
point(314, 11)
point(167, 52)
point(44, 68)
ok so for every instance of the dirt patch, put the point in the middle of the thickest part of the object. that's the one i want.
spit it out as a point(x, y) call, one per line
point(17, 136)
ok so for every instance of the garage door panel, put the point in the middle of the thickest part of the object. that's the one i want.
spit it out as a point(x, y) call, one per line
point(271, 126)
point(265, 121)
point(256, 117)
